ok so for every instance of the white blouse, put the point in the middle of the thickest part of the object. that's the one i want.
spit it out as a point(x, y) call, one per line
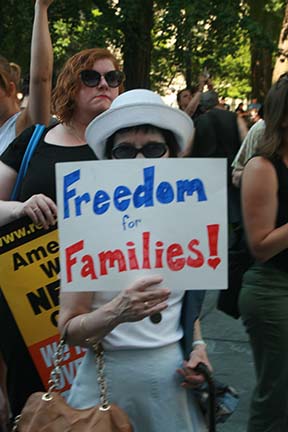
point(144, 333)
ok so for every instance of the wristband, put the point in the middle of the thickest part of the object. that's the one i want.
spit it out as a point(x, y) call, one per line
point(198, 342)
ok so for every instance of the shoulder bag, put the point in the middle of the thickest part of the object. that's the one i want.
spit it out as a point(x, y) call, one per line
point(49, 412)
point(38, 131)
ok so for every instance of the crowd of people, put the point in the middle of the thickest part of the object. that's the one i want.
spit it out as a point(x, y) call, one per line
point(145, 327)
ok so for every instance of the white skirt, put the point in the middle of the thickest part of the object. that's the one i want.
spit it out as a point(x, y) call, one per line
point(145, 384)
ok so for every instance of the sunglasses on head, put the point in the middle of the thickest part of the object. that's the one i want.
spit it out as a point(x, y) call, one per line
point(150, 150)
point(92, 78)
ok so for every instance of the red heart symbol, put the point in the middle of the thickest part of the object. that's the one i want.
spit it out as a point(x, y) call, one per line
point(214, 262)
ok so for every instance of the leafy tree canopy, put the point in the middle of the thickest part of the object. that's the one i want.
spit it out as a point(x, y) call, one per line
point(175, 36)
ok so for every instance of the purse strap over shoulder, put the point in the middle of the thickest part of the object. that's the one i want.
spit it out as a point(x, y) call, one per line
point(37, 133)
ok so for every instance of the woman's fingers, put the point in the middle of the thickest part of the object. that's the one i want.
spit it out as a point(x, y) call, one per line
point(147, 293)
point(142, 284)
point(143, 298)
point(191, 378)
point(41, 209)
point(156, 308)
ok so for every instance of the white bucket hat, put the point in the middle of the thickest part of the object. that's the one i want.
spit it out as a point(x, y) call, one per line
point(134, 108)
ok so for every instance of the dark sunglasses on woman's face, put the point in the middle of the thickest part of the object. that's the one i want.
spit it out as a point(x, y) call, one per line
point(149, 150)
point(92, 78)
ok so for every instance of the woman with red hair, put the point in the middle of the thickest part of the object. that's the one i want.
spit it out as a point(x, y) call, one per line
point(87, 85)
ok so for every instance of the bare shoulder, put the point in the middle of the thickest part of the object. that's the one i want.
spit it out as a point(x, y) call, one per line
point(259, 165)
point(259, 173)
point(55, 134)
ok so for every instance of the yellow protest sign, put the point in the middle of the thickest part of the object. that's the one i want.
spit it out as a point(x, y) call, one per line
point(29, 280)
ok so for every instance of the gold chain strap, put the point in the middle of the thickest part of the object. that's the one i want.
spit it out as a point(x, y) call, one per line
point(55, 374)
point(99, 358)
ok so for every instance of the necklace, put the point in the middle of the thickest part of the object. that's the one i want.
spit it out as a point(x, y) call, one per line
point(71, 130)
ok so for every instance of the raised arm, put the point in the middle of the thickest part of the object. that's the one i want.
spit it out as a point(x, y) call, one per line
point(41, 69)
point(195, 101)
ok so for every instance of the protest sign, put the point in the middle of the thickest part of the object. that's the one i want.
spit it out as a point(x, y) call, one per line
point(119, 220)
point(29, 269)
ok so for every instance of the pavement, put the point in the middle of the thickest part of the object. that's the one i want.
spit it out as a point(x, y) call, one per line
point(230, 355)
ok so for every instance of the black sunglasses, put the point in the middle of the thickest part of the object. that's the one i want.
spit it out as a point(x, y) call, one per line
point(92, 78)
point(152, 149)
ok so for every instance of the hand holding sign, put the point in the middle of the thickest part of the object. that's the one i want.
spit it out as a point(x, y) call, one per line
point(142, 299)
point(40, 208)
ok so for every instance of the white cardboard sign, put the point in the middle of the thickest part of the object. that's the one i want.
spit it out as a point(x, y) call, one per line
point(119, 220)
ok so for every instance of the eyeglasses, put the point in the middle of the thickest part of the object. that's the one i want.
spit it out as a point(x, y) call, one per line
point(152, 149)
point(92, 78)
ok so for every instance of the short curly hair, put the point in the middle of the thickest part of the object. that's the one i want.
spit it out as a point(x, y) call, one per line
point(68, 81)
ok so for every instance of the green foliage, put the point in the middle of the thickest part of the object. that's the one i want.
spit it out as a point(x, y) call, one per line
point(187, 35)
point(15, 32)
point(83, 28)
point(233, 79)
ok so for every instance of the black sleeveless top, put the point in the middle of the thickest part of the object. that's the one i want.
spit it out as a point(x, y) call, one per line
point(281, 260)
point(22, 376)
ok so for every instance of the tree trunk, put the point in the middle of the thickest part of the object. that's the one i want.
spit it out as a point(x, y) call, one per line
point(261, 51)
point(137, 26)
point(261, 70)
point(281, 65)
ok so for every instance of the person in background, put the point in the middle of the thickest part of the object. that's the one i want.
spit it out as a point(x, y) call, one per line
point(250, 145)
point(219, 133)
point(188, 99)
point(87, 85)
point(240, 109)
point(264, 295)
point(13, 120)
point(223, 104)
point(142, 355)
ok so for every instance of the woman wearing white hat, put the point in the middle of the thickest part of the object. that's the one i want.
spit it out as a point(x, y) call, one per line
point(146, 331)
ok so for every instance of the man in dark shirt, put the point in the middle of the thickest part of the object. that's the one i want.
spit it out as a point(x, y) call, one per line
point(219, 133)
